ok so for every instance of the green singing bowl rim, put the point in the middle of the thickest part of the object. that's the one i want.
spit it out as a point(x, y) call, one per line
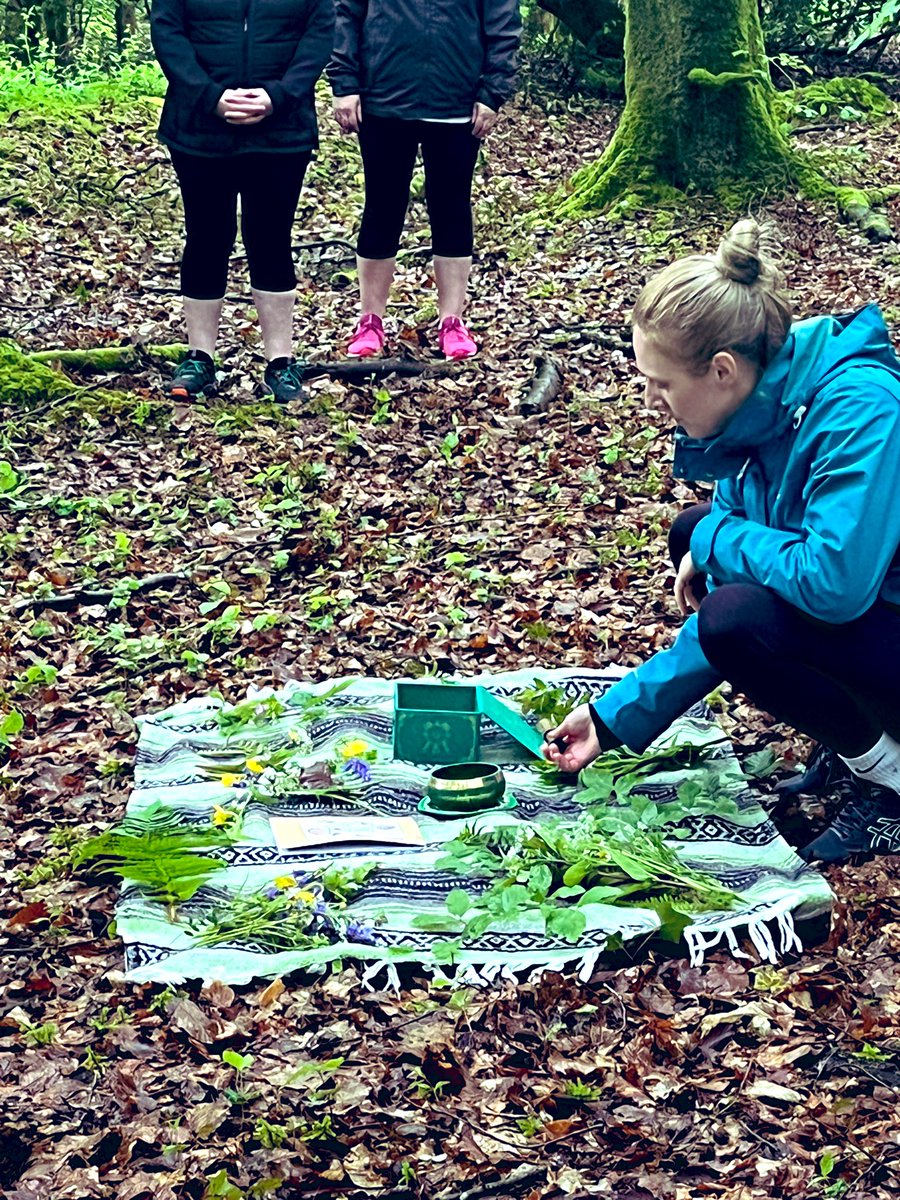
point(466, 777)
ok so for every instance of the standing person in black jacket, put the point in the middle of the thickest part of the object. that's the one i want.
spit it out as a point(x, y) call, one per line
point(239, 120)
point(407, 73)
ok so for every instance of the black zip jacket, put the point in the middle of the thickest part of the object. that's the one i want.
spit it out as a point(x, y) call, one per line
point(207, 46)
point(425, 59)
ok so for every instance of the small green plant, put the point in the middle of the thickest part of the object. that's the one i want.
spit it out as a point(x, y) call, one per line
point(11, 723)
point(39, 674)
point(94, 1062)
point(577, 1090)
point(870, 1053)
point(530, 1126)
point(832, 1188)
point(39, 1035)
point(270, 1135)
point(240, 1063)
point(424, 1088)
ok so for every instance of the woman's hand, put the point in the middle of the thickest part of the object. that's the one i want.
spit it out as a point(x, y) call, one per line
point(348, 113)
point(483, 120)
point(578, 734)
point(244, 106)
point(684, 592)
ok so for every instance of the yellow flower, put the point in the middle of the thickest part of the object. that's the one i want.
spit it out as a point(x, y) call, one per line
point(307, 897)
point(221, 816)
point(229, 780)
point(295, 735)
point(254, 765)
point(285, 881)
point(355, 749)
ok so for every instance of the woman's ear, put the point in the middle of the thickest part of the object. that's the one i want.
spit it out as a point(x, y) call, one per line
point(725, 367)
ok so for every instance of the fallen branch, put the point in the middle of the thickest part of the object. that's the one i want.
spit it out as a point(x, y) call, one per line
point(545, 387)
point(562, 335)
point(379, 368)
point(62, 601)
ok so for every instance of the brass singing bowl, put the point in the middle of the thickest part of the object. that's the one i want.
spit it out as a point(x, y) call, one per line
point(466, 787)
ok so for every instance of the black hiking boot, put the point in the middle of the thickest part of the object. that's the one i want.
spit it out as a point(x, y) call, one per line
point(825, 771)
point(869, 823)
point(194, 376)
point(284, 379)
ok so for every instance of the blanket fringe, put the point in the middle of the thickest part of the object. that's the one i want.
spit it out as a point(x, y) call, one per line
point(700, 940)
point(372, 972)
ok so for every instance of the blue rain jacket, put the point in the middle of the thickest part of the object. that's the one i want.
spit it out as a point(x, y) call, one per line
point(807, 503)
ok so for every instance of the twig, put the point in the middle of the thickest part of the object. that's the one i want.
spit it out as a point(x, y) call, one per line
point(812, 128)
point(523, 1174)
point(65, 600)
point(545, 387)
point(379, 368)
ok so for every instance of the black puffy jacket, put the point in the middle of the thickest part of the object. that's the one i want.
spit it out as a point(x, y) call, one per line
point(206, 46)
point(425, 59)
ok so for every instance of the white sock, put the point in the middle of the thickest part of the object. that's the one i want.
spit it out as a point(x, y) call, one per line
point(881, 764)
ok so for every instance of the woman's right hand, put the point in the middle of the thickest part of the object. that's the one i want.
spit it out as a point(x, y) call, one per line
point(579, 736)
point(348, 113)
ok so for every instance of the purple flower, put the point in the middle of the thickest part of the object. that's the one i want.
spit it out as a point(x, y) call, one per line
point(359, 768)
point(357, 932)
point(320, 908)
point(272, 892)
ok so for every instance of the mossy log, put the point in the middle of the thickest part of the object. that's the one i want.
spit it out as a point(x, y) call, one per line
point(110, 358)
point(32, 384)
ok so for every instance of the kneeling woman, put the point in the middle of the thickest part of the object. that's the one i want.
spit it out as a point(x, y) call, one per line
point(240, 120)
point(793, 570)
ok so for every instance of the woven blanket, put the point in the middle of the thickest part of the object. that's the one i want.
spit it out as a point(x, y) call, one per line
point(741, 848)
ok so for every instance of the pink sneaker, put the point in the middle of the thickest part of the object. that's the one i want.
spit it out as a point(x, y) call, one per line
point(455, 340)
point(368, 339)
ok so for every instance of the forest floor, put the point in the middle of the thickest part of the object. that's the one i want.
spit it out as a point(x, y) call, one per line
point(381, 529)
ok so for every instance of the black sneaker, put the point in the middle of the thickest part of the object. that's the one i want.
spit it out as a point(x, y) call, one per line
point(194, 376)
point(284, 379)
point(825, 771)
point(869, 823)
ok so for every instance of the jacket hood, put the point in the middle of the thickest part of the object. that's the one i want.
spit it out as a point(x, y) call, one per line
point(816, 351)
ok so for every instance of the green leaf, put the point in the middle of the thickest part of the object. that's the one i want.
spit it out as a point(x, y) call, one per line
point(458, 902)
point(603, 895)
point(540, 880)
point(219, 1187)
point(576, 873)
point(827, 1164)
point(566, 923)
point(9, 478)
point(240, 1062)
point(13, 722)
point(673, 921)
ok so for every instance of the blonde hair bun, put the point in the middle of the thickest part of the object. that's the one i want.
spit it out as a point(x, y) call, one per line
point(745, 252)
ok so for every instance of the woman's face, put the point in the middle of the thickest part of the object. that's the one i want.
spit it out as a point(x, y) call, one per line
point(700, 404)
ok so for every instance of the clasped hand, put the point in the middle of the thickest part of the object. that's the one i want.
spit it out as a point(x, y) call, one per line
point(244, 106)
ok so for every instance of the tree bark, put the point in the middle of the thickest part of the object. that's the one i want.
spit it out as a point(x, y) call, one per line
point(699, 112)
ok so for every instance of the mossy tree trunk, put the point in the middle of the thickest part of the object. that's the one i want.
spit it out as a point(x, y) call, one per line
point(699, 112)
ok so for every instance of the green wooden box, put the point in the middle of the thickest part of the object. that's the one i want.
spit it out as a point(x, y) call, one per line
point(441, 723)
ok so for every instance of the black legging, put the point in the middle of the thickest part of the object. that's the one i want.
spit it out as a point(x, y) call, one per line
point(449, 153)
point(838, 683)
point(269, 186)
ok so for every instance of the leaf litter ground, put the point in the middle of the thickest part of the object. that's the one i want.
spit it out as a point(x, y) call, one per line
point(382, 529)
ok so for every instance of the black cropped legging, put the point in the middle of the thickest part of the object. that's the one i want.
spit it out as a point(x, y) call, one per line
point(269, 186)
point(449, 153)
point(838, 683)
